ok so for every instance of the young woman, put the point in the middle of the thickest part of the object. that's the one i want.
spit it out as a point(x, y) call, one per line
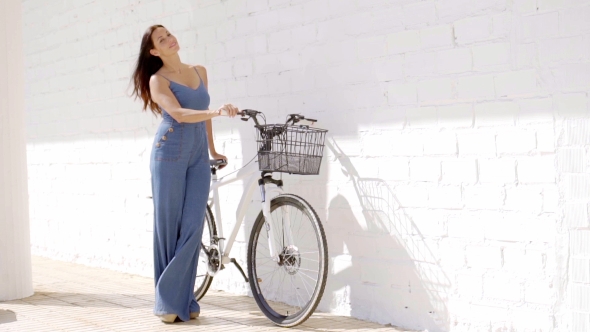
point(179, 166)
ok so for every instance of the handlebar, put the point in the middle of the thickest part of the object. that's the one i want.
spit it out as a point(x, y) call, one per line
point(248, 114)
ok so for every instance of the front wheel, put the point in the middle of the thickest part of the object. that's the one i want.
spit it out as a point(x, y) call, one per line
point(289, 287)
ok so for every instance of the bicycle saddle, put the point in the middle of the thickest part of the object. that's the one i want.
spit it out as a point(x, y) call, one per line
point(217, 162)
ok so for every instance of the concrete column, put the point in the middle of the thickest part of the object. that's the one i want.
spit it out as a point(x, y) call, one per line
point(15, 249)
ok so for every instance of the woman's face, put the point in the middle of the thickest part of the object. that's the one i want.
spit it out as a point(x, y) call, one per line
point(164, 43)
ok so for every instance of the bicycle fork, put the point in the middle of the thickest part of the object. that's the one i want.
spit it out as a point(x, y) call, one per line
point(275, 251)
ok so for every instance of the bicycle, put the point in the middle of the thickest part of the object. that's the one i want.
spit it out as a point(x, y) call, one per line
point(287, 250)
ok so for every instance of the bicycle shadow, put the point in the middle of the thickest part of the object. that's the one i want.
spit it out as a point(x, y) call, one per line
point(418, 287)
point(7, 316)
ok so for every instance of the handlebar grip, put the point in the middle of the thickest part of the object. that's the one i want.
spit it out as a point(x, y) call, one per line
point(312, 120)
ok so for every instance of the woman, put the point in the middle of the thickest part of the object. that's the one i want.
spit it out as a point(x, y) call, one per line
point(179, 166)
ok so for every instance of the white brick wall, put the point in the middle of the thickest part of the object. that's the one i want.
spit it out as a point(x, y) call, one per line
point(455, 191)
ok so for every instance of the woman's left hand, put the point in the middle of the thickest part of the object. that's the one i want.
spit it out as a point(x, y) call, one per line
point(218, 156)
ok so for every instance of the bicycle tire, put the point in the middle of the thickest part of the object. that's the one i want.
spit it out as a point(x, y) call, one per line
point(289, 264)
point(203, 284)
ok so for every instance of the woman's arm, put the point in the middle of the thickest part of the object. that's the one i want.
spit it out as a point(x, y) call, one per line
point(210, 137)
point(162, 95)
point(203, 74)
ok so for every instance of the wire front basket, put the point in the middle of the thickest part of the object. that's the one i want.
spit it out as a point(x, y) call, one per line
point(295, 149)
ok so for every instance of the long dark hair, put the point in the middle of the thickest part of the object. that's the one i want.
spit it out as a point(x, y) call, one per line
point(147, 65)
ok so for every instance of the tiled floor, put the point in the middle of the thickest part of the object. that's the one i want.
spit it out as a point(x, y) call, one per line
point(70, 297)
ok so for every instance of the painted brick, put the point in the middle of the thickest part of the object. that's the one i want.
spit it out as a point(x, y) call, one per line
point(539, 292)
point(497, 171)
point(419, 65)
point(535, 111)
point(571, 105)
point(476, 87)
point(551, 200)
point(372, 47)
point(279, 41)
point(459, 171)
point(502, 287)
point(483, 197)
point(575, 20)
point(478, 143)
point(441, 144)
point(536, 170)
point(424, 170)
point(472, 29)
point(411, 196)
point(491, 55)
point(569, 49)
point(390, 69)
point(515, 83)
point(242, 68)
point(400, 94)
point(395, 169)
point(546, 140)
point(540, 26)
point(483, 257)
point(455, 116)
point(407, 144)
point(470, 284)
point(432, 91)
point(254, 6)
point(495, 114)
point(522, 198)
point(421, 117)
point(447, 197)
point(453, 61)
point(419, 13)
point(517, 142)
point(402, 42)
point(437, 36)
point(466, 227)
point(429, 223)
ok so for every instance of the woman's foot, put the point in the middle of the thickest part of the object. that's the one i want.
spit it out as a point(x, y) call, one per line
point(195, 314)
point(170, 318)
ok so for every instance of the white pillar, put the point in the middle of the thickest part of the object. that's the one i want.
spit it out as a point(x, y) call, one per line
point(15, 249)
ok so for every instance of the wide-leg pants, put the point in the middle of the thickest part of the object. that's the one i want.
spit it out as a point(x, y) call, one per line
point(180, 185)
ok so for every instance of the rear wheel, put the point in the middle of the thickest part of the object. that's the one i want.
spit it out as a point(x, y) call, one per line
point(203, 279)
point(289, 288)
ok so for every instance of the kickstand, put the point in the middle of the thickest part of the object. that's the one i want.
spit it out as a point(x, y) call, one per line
point(233, 260)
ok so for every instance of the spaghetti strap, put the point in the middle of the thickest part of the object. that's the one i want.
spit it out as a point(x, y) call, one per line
point(164, 77)
point(198, 72)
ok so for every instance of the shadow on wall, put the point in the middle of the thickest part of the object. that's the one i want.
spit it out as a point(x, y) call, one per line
point(7, 316)
point(387, 273)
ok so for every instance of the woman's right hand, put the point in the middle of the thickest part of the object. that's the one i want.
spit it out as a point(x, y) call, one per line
point(229, 110)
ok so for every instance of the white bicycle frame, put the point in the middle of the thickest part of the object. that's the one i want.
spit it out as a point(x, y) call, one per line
point(251, 175)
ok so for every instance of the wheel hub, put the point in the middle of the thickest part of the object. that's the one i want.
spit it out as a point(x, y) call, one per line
point(290, 259)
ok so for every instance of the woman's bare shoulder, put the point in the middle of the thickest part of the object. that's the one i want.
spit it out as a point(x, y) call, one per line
point(201, 69)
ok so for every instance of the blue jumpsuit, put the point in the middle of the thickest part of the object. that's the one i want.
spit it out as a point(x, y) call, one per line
point(181, 178)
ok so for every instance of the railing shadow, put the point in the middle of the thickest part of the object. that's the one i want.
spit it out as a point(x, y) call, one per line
point(417, 296)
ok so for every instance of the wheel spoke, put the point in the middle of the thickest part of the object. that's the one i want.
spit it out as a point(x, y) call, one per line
point(288, 287)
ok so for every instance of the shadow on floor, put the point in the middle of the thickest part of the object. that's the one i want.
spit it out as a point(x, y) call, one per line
point(7, 316)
